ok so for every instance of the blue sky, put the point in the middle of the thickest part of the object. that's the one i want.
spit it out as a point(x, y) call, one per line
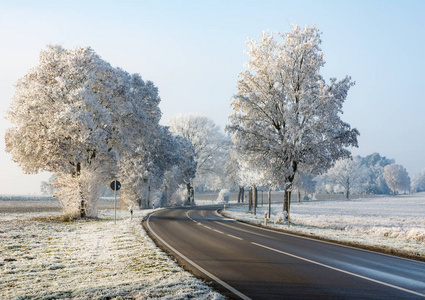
point(194, 50)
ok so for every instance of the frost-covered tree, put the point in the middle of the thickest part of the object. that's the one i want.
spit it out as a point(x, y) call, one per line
point(156, 168)
point(418, 183)
point(77, 116)
point(61, 122)
point(376, 164)
point(350, 174)
point(176, 183)
point(304, 182)
point(286, 117)
point(47, 188)
point(210, 144)
point(397, 178)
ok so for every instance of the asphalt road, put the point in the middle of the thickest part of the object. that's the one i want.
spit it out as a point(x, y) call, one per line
point(248, 262)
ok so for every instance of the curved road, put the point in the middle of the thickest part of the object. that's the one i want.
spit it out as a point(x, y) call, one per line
point(247, 262)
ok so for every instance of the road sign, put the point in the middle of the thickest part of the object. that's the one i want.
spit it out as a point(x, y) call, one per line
point(115, 185)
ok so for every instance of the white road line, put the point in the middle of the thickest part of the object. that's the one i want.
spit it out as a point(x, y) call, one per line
point(340, 270)
point(235, 237)
point(243, 230)
point(187, 215)
point(213, 277)
point(316, 240)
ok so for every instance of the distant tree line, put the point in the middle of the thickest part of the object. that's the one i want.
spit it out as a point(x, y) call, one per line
point(373, 174)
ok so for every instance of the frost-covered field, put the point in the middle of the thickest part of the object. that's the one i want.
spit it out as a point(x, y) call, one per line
point(42, 259)
point(396, 223)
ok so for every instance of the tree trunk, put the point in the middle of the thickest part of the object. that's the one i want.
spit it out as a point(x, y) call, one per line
point(299, 196)
point(83, 202)
point(250, 198)
point(243, 194)
point(255, 200)
point(288, 186)
point(192, 194)
point(287, 202)
point(270, 199)
point(239, 195)
point(188, 192)
point(149, 194)
point(347, 194)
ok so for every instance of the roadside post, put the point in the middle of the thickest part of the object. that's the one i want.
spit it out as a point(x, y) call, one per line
point(265, 218)
point(115, 186)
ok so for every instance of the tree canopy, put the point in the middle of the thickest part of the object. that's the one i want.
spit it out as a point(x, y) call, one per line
point(211, 148)
point(397, 178)
point(77, 116)
point(286, 117)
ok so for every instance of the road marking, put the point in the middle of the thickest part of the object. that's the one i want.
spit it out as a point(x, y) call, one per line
point(339, 270)
point(187, 215)
point(235, 237)
point(218, 231)
point(213, 277)
point(207, 226)
point(273, 230)
point(243, 230)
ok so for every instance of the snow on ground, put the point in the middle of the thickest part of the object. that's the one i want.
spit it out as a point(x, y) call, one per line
point(396, 223)
point(41, 259)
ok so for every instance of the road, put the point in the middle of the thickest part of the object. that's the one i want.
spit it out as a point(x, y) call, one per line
point(248, 262)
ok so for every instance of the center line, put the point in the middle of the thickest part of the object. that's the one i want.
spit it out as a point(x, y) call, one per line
point(235, 237)
point(340, 270)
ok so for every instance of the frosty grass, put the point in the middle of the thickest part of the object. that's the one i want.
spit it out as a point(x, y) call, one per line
point(100, 260)
point(389, 223)
point(89, 260)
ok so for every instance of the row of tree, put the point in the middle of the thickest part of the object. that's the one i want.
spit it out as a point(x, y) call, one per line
point(89, 123)
point(372, 174)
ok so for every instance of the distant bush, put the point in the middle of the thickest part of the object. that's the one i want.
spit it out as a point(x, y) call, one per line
point(223, 196)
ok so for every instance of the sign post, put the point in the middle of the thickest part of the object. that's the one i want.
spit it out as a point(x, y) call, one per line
point(115, 186)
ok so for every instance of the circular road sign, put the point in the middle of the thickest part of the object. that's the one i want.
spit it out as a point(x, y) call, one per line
point(115, 185)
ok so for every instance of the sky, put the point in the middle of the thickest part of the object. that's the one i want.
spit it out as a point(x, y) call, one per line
point(193, 51)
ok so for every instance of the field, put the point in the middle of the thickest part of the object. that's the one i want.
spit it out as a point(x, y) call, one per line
point(391, 224)
point(42, 258)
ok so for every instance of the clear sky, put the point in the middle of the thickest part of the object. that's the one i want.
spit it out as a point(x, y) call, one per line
point(194, 50)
